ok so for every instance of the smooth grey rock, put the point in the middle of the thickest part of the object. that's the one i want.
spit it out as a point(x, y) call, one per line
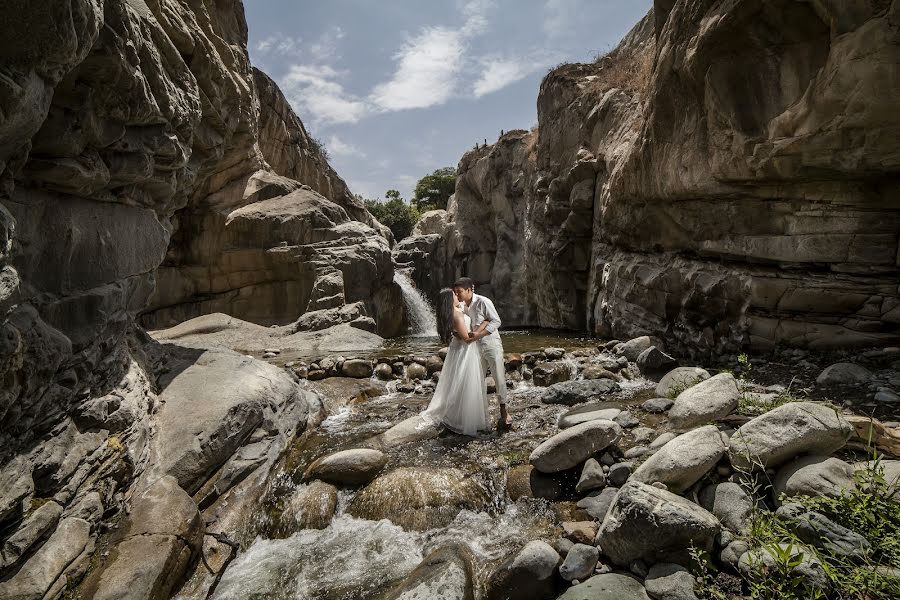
point(729, 502)
point(844, 373)
point(592, 477)
point(574, 445)
point(416, 371)
point(597, 504)
point(813, 476)
point(608, 586)
point(554, 353)
point(662, 440)
point(550, 373)
point(643, 435)
point(579, 563)
point(818, 530)
point(526, 576)
point(619, 473)
point(348, 467)
point(653, 363)
point(311, 506)
point(159, 541)
point(633, 347)
point(444, 573)
point(654, 525)
point(583, 414)
point(71, 540)
point(684, 460)
point(760, 561)
point(563, 545)
point(576, 392)
point(38, 523)
point(657, 405)
point(357, 368)
point(525, 480)
point(626, 420)
point(709, 400)
point(636, 452)
point(16, 485)
point(679, 379)
point(668, 581)
point(787, 431)
point(732, 553)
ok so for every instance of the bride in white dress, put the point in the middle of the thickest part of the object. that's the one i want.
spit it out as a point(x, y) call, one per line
point(459, 401)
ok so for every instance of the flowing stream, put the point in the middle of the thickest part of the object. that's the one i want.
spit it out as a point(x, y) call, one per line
point(435, 492)
point(422, 322)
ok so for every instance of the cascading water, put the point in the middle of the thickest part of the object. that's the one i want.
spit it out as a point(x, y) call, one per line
point(422, 321)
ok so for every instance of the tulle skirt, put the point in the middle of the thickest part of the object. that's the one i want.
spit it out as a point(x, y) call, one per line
point(460, 401)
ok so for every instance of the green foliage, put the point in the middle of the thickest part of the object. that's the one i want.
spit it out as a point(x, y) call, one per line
point(395, 213)
point(680, 386)
point(434, 190)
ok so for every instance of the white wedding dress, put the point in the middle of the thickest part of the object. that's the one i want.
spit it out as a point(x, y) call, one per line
point(459, 401)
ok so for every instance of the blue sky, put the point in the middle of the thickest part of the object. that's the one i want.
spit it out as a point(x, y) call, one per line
point(397, 89)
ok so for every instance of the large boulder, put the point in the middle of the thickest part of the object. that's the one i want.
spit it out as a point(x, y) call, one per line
point(348, 467)
point(679, 379)
point(633, 347)
point(162, 537)
point(44, 574)
point(787, 431)
point(573, 446)
point(528, 575)
point(844, 373)
point(579, 563)
point(445, 573)
point(668, 581)
point(653, 363)
point(548, 373)
point(212, 400)
point(420, 498)
point(310, 506)
point(813, 475)
point(684, 460)
point(609, 586)
point(729, 502)
point(592, 411)
point(709, 400)
point(526, 481)
point(576, 392)
point(654, 525)
point(818, 530)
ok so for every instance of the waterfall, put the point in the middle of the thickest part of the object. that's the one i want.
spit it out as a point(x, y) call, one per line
point(422, 321)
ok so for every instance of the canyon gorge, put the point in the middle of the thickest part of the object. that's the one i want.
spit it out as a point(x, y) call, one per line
point(726, 179)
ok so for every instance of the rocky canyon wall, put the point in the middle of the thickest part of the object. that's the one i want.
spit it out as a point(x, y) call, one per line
point(147, 169)
point(728, 176)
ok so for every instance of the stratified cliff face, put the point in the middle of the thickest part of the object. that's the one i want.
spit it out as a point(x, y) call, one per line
point(130, 139)
point(727, 176)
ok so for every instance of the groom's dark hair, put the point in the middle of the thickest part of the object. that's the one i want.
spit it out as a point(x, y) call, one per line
point(464, 283)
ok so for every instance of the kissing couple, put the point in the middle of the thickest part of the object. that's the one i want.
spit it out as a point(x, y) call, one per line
point(468, 322)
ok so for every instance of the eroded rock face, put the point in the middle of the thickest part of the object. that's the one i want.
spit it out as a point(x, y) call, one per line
point(696, 186)
point(126, 129)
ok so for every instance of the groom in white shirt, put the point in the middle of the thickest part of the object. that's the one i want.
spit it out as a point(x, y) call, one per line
point(481, 309)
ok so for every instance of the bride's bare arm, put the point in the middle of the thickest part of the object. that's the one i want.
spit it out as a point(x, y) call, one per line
point(459, 328)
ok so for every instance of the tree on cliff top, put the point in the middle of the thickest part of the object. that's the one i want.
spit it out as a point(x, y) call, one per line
point(434, 190)
point(393, 212)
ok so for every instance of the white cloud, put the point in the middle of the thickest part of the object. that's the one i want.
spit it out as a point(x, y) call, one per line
point(279, 44)
point(499, 73)
point(427, 71)
point(339, 147)
point(430, 64)
point(314, 90)
point(325, 48)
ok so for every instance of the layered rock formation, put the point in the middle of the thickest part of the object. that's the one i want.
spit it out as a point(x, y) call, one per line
point(129, 139)
point(727, 176)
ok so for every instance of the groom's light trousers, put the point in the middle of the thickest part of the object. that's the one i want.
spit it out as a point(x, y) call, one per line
point(492, 360)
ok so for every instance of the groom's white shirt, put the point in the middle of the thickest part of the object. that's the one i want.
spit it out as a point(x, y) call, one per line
point(482, 309)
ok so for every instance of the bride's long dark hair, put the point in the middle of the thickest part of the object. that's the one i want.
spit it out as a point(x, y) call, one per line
point(446, 302)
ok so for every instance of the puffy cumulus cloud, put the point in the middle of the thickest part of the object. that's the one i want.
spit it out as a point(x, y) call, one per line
point(339, 147)
point(315, 90)
point(279, 44)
